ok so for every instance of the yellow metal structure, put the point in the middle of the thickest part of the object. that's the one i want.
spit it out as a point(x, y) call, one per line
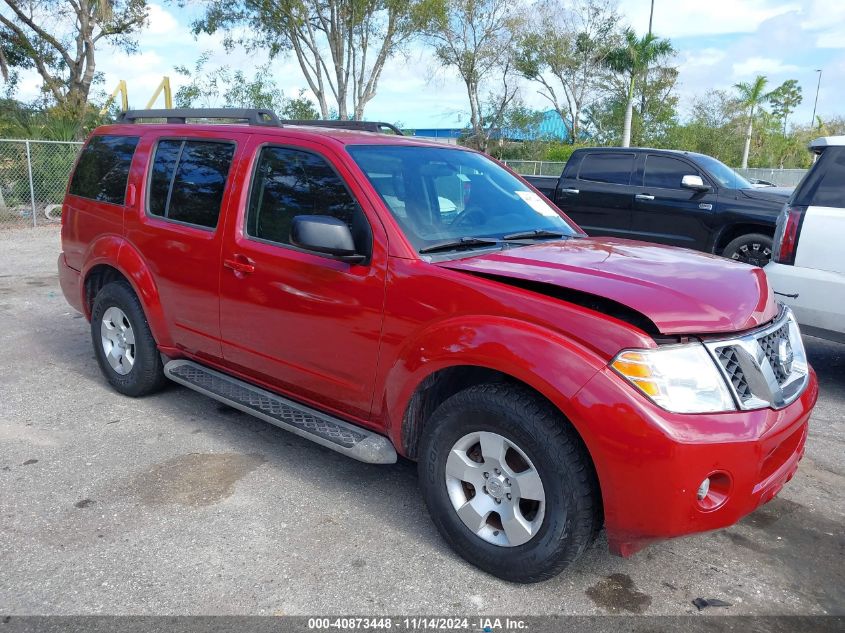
point(163, 87)
point(124, 97)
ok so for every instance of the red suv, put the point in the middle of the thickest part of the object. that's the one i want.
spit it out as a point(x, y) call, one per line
point(381, 296)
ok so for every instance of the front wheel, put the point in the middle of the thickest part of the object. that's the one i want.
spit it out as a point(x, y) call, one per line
point(754, 249)
point(508, 482)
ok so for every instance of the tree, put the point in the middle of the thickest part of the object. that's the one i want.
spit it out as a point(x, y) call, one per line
point(784, 99)
point(58, 38)
point(476, 38)
point(752, 97)
point(631, 59)
point(564, 52)
point(221, 87)
point(341, 46)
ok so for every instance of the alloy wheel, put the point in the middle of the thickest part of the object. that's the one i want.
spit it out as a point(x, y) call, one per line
point(495, 489)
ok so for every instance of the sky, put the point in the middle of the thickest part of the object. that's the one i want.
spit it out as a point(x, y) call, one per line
point(718, 43)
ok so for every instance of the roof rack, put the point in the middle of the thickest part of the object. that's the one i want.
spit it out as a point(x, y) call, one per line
point(251, 116)
point(361, 126)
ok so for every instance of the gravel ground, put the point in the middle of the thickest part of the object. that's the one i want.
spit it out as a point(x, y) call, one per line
point(174, 504)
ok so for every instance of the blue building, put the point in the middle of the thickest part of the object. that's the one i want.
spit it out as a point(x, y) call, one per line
point(550, 127)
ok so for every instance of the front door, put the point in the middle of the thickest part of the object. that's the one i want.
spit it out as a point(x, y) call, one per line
point(666, 213)
point(299, 322)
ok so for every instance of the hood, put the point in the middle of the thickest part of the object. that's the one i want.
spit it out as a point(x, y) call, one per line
point(680, 291)
point(769, 194)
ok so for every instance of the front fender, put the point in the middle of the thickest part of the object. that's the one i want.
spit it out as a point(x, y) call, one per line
point(114, 251)
point(545, 360)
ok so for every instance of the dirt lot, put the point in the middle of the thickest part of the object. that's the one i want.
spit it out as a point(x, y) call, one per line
point(175, 504)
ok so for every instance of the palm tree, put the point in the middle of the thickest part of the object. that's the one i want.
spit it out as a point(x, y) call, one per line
point(632, 59)
point(752, 96)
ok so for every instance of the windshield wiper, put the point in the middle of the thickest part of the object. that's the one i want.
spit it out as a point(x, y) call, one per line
point(536, 233)
point(463, 242)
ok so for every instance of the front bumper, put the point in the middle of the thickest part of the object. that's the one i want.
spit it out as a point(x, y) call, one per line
point(650, 463)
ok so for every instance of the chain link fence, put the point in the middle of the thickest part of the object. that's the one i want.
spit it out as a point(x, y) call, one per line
point(779, 177)
point(34, 175)
point(536, 167)
point(33, 178)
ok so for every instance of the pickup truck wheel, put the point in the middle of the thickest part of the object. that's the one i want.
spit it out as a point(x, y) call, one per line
point(753, 248)
point(124, 346)
point(508, 483)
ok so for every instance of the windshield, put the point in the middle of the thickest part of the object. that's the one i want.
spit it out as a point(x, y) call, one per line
point(439, 195)
point(726, 176)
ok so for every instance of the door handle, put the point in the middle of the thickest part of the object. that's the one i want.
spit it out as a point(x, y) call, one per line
point(644, 196)
point(572, 191)
point(240, 264)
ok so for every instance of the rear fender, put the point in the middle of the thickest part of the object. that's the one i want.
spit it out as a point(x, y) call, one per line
point(114, 251)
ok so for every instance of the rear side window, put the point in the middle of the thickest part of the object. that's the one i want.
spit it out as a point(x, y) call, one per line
point(103, 168)
point(665, 172)
point(824, 185)
point(291, 182)
point(187, 180)
point(607, 167)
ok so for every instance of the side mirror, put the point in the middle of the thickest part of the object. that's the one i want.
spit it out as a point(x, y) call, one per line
point(694, 182)
point(325, 234)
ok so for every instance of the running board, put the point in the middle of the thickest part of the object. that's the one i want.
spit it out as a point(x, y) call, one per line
point(326, 430)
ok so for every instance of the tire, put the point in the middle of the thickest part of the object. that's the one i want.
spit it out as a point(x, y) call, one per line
point(118, 323)
point(564, 523)
point(752, 248)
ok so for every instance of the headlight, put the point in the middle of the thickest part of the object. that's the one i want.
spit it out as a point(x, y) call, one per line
point(682, 379)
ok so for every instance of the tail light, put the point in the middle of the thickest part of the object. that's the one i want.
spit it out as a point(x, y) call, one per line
point(786, 235)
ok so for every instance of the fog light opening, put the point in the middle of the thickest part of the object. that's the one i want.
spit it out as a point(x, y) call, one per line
point(713, 492)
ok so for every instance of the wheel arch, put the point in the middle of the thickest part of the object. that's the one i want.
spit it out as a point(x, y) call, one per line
point(733, 231)
point(438, 386)
point(112, 259)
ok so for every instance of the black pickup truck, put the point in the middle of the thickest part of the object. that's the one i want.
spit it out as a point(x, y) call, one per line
point(667, 196)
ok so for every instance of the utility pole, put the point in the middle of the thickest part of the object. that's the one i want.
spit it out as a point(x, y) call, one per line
point(645, 73)
point(650, 17)
point(818, 85)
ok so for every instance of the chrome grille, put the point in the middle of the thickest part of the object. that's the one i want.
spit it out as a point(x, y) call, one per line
point(770, 343)
point(753, 367)
point(730, 362)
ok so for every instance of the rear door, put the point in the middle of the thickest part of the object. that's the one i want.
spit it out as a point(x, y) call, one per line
point(301, 323)
point(598, 195)
point(178, 230)
point(666, 213)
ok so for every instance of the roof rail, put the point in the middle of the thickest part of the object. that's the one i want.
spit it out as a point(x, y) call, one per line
point(252, 116)
point(361, 126)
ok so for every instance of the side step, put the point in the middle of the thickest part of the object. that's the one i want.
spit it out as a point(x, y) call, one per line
point(324, 429)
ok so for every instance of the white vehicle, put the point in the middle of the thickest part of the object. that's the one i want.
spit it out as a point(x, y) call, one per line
point(807, 271)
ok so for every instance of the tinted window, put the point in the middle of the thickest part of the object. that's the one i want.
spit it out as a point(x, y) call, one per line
point(666, 172)
point(824, 185)
point(188, 179)
point(607, 167)
point(103, 168)
point(291, 182)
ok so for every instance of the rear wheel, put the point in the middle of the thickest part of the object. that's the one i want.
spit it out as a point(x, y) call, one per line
point(124, 346)
point(508, 483)
point(753, 248)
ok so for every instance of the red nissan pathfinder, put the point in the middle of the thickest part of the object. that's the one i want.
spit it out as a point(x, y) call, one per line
point(385, 296)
